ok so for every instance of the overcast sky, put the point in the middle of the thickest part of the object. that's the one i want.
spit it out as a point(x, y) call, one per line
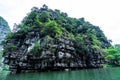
point(103, 13)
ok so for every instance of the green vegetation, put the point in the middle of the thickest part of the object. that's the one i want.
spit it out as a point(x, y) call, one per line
point(36, 50)
point(1, 52)
point(52, 28)
point(10, 47)
point(113, 55)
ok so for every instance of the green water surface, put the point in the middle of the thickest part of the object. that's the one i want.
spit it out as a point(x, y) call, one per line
point(86, 74)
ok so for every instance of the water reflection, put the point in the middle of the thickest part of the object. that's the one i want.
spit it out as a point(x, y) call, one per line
point(89, 74)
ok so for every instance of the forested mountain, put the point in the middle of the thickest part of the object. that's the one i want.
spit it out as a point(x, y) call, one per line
point(50, 39)
point(4, 29)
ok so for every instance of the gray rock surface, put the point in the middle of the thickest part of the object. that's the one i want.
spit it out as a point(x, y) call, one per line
point(55, 54)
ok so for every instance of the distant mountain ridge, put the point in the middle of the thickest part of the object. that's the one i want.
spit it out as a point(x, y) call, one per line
point(4, 29)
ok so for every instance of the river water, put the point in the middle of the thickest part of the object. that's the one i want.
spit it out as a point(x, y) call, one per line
point(86, 74)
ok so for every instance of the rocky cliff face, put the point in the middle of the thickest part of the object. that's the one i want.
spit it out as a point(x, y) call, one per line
point(4, 30)
point(50, 40)
point(53, 54)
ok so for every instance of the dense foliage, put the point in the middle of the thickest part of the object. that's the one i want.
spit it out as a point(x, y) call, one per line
point(112, 55)
point(87, 38)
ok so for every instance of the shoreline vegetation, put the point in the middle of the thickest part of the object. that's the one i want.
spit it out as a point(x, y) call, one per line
point(48, 40)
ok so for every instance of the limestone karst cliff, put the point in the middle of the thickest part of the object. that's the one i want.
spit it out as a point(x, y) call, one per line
point(48, 39)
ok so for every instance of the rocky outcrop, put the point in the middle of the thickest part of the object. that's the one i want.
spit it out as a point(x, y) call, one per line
point(4, 30)
point(55, 54)
point(50, 40)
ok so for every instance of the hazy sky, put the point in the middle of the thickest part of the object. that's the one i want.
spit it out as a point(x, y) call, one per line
point(103, 13)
